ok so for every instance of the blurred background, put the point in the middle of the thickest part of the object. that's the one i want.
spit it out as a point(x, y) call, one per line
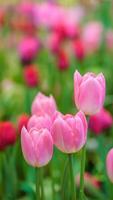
point(42, 43)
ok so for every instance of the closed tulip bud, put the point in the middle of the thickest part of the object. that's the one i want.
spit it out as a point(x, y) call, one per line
point(31, 76)
point(54, 42)
point(63, 60)
point(69, 132)
point(92, 36)
point(109, 165)
point(37, 146)
point(89, 180)
point(89, 92)
point(43, 105)
point(7, 134)
point(28, 49)
point(101, 121)
point(22, 121)
point(79, 49)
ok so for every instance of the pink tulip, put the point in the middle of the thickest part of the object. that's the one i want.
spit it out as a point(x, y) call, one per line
point(100, 121)
point(28, 49)
point(78, 49)
point(92, 36)
point(43, 105)
point(89, 92)
point(39, 122)
point(37, 146)
point(69, 132)
point(109, 165)
point(54, 42)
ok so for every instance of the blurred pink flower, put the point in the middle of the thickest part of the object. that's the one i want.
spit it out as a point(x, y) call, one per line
point(54, 42)
point(89, 179)
point(92, 36)
point(89, 92)
point(28, 49)
point(69, 132)
point(109, 165)
point(101, 121)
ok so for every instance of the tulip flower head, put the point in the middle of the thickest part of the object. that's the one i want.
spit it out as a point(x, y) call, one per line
point(7, 134)
point(78, 49)
point(89, 180)
point(31, 76)
point(109, 165)
point(28, 49)
point(22, 121)
point(92, 36)
point(37, 146)
point(101, 121)
point(89, 92)
point(63, 60)
point(43, 105)
point(69, 132)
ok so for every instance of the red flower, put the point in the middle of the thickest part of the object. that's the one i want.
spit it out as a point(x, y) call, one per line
point(63, 61)
point(22, 121)
point(79, 49)
point(31, 76)
point(7, 134)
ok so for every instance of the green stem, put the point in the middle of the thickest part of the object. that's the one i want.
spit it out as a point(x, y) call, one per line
point(72, 177)
point(39, 185)
point(63, 188)
point(83, 157)
point(38, 196)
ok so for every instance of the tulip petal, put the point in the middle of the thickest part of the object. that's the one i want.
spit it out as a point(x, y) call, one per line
point(84, 121)
point(62, 135)
point(90, 98)
point(27, 147)
point(44, 147)
point(77, 82)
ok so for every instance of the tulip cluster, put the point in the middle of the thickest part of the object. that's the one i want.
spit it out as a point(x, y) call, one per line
point(36, 139)
point(48, 127)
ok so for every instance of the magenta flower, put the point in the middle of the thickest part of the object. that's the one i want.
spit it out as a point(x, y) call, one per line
point(28, 49)
point(100, 121)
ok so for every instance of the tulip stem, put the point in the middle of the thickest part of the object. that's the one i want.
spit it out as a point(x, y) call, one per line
point(39, 185)
point(38, 196)
point(72, 177)
point(83, 157)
